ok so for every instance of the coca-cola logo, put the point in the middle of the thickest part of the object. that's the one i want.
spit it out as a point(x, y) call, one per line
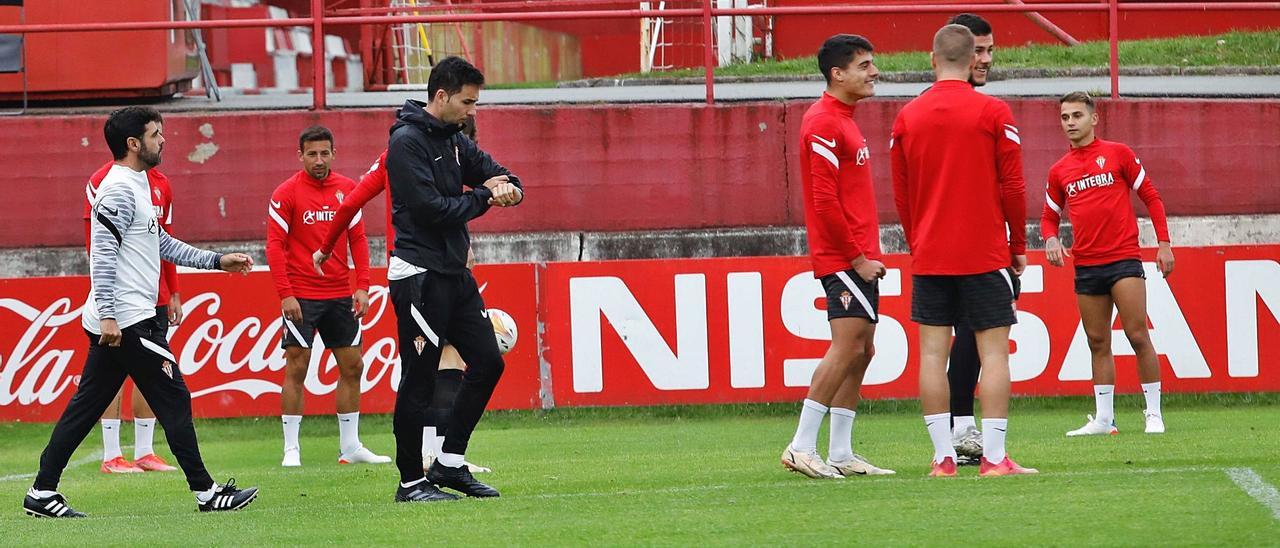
point(249, 351)
point(219, 354)
point(34, 369)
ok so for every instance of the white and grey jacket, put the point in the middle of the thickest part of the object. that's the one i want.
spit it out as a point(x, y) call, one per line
point(127, 244)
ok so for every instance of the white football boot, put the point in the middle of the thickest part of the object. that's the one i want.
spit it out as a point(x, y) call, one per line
point(1155, 423)
point(809, 464)
point(858, 466)
point(364, 456)
point(1094, 428)
point(292, 458)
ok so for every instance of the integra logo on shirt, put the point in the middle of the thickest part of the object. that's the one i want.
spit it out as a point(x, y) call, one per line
point(1092, 181)
point(311, 217)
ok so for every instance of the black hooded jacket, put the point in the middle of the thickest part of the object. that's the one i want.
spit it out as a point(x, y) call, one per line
point(428, 164)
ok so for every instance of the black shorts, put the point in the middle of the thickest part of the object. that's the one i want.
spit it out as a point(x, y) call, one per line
point(338, 327)
point(978, 301)
point(848, 296)
point(1097, 280)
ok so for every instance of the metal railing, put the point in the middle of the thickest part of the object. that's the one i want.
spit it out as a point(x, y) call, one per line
point(707, 13)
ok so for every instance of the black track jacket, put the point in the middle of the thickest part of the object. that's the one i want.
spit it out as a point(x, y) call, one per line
point(428, 162)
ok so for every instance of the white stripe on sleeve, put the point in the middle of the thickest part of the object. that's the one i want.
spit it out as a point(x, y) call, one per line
point(826, 153)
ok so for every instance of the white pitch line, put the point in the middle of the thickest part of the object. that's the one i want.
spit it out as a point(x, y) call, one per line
point(1256, 487)
point(96, 456)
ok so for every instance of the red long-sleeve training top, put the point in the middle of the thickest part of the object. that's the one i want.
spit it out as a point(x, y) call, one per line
point(957, 181)
point(300, 213)
point(1093, 183)
point(839, 201)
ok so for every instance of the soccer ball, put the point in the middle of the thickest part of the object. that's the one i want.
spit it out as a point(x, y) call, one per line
point(504, 329)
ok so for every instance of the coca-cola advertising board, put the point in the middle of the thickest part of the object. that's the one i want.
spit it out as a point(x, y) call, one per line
point(228, 345)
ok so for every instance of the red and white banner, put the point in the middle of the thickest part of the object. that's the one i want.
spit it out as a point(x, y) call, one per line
point(664, 331)
point(753, 329)
point(228, 346)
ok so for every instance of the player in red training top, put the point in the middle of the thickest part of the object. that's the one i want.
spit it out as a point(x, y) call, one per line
point(958, 188)
point(449, 376)
point(302, 208)
point(844, 247)
point(168, 312)
point(1092, 182)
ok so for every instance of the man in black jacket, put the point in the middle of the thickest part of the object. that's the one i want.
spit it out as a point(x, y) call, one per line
point(440, 180)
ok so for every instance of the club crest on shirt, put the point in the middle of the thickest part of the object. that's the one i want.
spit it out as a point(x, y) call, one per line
point(168, 368)
point(158, 195)
point(339, 194)
point(1101, 161)
point(845, 299)
point(419, 344)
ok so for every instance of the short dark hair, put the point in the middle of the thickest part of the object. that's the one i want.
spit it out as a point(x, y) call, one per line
point(451, 73)
point(313, 134)
point(1078, 97)
point(125, 123)
point(839, 50)
point(974, 22)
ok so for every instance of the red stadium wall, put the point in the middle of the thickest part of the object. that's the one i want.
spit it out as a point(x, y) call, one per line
point(664, 332)
point(800, 36)
point(673, 166)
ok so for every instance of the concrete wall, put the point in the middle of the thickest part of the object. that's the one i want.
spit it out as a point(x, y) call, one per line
point(669, 244)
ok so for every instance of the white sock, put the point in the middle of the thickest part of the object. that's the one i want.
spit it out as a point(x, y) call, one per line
point(204, 496)
point(429, 440)
point(939, 427)
point(348, 432)
point(40, 494)
point(841, 445)
point(993, 432)
point(806, 438)
point(111, 439)
point(452, 460)
point(412, 483)
point(292, 423)
point(1104, 396)
point(1151, 391)
point(144, 431)
point(961, 425)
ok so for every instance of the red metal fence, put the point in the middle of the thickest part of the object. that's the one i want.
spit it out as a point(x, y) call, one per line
point(707, 13)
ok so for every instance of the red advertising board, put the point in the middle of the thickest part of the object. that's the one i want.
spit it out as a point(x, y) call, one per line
point(228, 347)
point(666, 331)
point(753, 329)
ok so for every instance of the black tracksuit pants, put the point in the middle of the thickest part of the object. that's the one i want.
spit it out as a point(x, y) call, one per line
point(432, 306)
point(144, 356)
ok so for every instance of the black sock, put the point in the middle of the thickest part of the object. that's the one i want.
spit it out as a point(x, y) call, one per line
point(448, 381)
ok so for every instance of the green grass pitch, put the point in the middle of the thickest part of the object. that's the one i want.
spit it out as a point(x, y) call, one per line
point(697, 476)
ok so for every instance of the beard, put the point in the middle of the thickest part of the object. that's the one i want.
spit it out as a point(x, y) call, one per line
point(149, 158)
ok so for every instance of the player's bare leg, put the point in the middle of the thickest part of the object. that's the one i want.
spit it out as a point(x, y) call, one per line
point(850, 339)
point(1130, 295)
point(1096, 316)
point(350, 367)
point(843, 410)
point(296, 361)
point(935, 396)
point(993, 347)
